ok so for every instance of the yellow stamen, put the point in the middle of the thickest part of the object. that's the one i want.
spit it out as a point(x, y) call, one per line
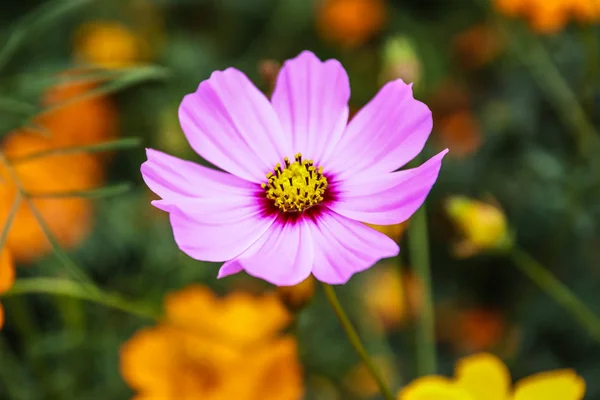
point(297, 186)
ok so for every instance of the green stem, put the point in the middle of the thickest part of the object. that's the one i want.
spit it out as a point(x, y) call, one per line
point(557, 291)
point(65, 287)
point(589, 37)
point(531, 52)
point(356, 342)
point(418, 247)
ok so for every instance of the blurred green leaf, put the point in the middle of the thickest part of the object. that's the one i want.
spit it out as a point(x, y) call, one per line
point(106, 191)
point(119, 144)
point(44, 16)
point(65, 287)
point(122, 80)
point(9, 219)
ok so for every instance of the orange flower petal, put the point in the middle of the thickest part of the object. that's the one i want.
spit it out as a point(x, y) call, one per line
point(7, 271)
point(276, 372)
point(148, 361)
point(227, 318)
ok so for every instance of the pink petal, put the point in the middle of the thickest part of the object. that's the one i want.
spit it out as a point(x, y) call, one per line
point(230, 268)
point(311, 99)
point(344, 247)
point(384, 135)
point(230, 123)
point(283, 256)
point(217, 229)
point(388, 198)
point(172, 178)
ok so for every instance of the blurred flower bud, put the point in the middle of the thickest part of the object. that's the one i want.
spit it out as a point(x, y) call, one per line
point(478, 329)
point(391, 297)
point(298, 296)
point(460, 132)
point(360, 382)
point(393, 231)
point(169, 136)
point(108, 45)
point(268, 70)
point(350, 23)
point(483, 226)
point(400, 61)
point(478, 45)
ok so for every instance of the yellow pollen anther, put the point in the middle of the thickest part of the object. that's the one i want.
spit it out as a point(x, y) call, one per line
point(297, 186)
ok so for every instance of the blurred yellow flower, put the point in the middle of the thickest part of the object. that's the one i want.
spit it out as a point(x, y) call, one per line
point(215, 348)
point(69, 219)
point(485, 377)
point(108, 44)
point(297, 297)
point(391, 297)
point(350, 23)
point(483, 226)
point(549, 16)
point(7, 277)
point(393, 231)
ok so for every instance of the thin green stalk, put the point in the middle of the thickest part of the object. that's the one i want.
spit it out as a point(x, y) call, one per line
point(95, 193)
point(418, 247)
point(118, 144)
point(65, 287)
point(558, 291)
point(589, 37)
point(532, 53)
point(21, 320)
point(58, 251)
point(356, 342)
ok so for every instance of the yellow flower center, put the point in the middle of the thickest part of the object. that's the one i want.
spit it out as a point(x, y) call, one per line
point(296, 187)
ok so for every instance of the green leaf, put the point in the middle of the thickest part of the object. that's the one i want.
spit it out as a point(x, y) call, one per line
point(107, 191)
point(9, 219)
point(126, 78)
point(33, 23)
point(65, 287)
point(120, 144)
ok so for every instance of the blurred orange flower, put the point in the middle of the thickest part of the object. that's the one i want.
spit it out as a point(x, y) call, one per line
point(478, 329)
point(550, 16)
point(205, 349)
point(83, 120)
point(7, 277)
point(460, 132)
point(478, 45)
point(391, 297)
point(69, 219)
point(350, 23)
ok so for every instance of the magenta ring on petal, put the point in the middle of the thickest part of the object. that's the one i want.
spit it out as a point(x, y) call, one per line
point(299, 181)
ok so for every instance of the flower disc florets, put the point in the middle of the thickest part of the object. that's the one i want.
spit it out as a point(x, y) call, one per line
point(297, 186)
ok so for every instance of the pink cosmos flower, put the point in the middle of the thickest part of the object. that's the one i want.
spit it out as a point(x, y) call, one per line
point(298, 180)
